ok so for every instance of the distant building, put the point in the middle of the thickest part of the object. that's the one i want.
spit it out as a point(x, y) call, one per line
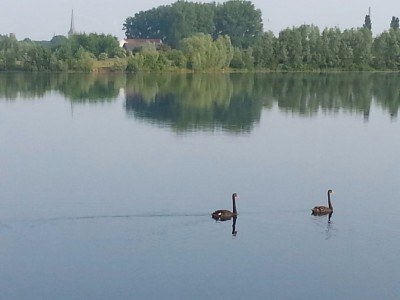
point(72, 30)
point(137, 44)
point(121, 43)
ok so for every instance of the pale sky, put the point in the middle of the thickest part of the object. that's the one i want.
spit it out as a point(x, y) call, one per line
point(41, 19)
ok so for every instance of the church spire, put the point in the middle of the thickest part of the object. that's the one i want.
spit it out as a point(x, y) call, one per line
point(72, 29)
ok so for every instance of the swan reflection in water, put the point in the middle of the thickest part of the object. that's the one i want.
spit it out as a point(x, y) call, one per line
point(324, 214)
point(234, 218)
point(328, 225)
point(234, 232)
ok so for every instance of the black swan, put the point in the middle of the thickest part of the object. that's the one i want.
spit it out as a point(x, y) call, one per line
point(323, 210)
point(223, 214)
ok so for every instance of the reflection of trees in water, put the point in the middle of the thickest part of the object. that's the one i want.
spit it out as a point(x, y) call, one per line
point(234, 102)
point(189, 101)
point(307, 94)
point(229, 101)
point(15, 85)
point(92, 87)
point(386, 91)
point(76, 87)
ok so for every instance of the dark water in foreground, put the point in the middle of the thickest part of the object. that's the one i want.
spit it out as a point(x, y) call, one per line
point(107, 183)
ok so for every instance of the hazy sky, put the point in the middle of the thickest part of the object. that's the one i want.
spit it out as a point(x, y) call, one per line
point(41, 19)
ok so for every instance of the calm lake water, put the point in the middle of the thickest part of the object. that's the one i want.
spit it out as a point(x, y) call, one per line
point(107, 183)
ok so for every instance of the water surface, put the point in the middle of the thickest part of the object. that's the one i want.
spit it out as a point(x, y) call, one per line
point(107, 183)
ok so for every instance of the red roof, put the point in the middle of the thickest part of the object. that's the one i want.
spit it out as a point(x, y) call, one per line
point(131, 44)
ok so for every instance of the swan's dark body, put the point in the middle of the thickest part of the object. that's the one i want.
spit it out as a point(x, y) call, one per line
point(223, 214)
point(323, 210)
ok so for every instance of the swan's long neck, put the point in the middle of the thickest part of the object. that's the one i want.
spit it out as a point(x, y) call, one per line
point(234, 204)
point(329, 200)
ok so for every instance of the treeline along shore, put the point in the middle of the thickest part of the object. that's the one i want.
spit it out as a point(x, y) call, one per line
point(203, 37)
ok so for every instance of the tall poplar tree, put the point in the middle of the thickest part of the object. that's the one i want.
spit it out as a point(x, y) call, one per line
point(394, 24)
point(367, 22)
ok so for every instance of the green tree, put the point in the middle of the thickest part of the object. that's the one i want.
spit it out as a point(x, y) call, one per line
point(186, 19)
point(57, 64)
point(57, 40)
point(94, 43)
point(83, 61)
point(394, 23)
point(224, 53)
point(237, 59)
point(367, 22)
point(135, 63)
point(314, 44)
point(240, 20)
point(172, 23)
point(263, 51)
point(236, 18)
point(380, 49)
point(150, 57)
point(36, 58)
point(360, 41)
point(144, 24)
point(203, 53)
point(197, 50)
point(331, 45)
point(345, 55)
point(176, 58)
point(119, 64)
point(386, 50)
point(291, 48)
point(9, 52)
point(281, 53)
point(248, 59)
